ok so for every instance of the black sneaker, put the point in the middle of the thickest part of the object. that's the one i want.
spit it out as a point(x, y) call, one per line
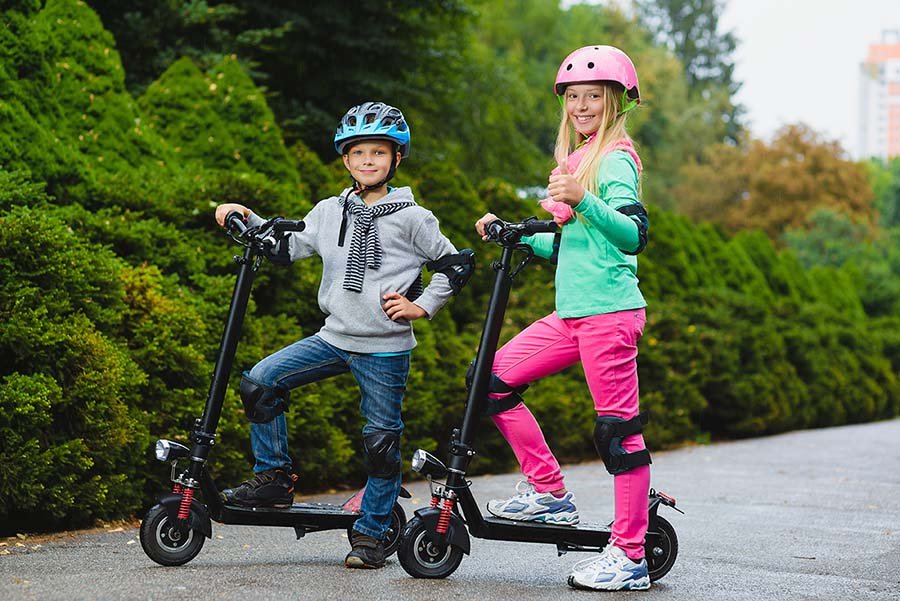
point(272, 488)
point(367, 552)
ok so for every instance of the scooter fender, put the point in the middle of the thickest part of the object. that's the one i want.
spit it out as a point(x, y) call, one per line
point(457, 534)
point(198, 518)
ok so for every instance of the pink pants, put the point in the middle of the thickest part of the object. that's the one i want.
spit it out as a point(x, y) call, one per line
point(606, 345)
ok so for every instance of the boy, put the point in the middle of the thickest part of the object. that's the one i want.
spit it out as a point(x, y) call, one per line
point(373, 241)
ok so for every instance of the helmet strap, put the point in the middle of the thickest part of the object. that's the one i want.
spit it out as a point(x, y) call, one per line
point(359, 188)
point(626, 103)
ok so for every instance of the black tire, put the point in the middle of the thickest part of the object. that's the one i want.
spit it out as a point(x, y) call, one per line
point(423, 559)
point(661, 556)
point(392, 536)
point(398, 523)
point(166, 544)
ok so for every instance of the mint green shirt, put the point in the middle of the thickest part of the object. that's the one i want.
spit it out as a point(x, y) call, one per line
point(593, 275)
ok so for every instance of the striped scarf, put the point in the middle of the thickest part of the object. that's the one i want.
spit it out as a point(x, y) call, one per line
point(365, 246)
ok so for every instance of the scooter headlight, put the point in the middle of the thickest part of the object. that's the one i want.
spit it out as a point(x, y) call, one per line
point(418, 459)
point(162, 450)
point(426, 463)
point(168, 450)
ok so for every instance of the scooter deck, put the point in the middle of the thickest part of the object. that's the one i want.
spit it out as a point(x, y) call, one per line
point(585, 536)
point(308, 516)
point(588, 535)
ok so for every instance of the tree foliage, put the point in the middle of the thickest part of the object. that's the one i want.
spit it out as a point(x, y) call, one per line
point(690, 30)
point(775, 186)
point(776, 307)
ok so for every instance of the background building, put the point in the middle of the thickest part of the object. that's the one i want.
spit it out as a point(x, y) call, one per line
point(879, 134)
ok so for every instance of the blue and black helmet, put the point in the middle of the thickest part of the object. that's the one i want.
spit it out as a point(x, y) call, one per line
point(373, 121)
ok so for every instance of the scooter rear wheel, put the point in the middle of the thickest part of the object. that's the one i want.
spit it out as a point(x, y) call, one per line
point(164, 542)
point(661, 554)
point(421, 557)
point(392, 536)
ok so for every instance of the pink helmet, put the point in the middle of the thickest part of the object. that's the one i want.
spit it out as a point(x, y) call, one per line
point(598, 63)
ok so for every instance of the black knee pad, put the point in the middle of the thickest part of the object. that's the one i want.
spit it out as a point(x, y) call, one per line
point(495, 406)
point(262, 403)
point(608, 434)
point(382, 453)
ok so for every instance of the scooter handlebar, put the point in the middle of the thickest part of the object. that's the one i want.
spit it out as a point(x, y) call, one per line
point(234, 222)
point(540, 226)
point(511, 233)
point(289, 225)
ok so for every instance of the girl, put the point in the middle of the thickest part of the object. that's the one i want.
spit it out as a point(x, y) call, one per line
point(599, 315)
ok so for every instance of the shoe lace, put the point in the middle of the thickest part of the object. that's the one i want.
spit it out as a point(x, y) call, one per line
point(258, 480)
point(524, 488)
point(264, 478)
point(604, 560)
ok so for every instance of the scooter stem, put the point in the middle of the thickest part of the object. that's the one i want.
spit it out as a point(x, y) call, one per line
point(208, 423)
point(484, 361)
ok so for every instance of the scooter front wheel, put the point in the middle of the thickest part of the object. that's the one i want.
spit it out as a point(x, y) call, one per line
point(165, 542)
point(421, 557)
point(662, 552)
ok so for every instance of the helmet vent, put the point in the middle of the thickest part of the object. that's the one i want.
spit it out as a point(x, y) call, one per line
point(373, 120)
point(590, 65)
point(569, 67)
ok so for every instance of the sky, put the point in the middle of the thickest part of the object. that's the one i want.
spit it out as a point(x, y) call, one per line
point(798, 60)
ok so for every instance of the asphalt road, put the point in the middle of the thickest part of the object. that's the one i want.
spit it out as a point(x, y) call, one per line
point(800, 516)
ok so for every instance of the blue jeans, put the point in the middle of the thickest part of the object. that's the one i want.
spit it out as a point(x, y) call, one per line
point(382, 382)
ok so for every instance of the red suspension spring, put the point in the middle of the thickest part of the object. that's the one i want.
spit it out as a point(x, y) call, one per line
point(176, 490)
point(184, 509)
point(435, 500)
point(444, 518)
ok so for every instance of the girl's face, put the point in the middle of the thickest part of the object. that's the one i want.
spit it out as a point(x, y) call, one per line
point(584, 105)
point(369, 162)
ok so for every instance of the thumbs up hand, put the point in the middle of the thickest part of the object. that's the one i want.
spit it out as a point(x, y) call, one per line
point(564, 187)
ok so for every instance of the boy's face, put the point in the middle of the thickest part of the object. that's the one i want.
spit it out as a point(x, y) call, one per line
point(370, 161)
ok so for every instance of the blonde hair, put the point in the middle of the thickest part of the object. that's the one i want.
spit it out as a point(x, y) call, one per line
point(611, 131)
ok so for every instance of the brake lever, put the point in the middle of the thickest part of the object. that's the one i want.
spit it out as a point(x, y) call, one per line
point(529, 255)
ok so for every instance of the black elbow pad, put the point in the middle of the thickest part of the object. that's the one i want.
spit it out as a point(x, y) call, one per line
point(458, 268)
point(554, 255)
point(638, 214)
point(281, 253)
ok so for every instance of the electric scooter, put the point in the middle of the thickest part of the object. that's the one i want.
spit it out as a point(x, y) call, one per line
point(174, 530)
point(434, 541)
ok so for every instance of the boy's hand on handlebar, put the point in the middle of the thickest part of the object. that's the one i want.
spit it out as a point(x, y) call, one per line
point(400, 307)
point(223, 210)
point(483, 223)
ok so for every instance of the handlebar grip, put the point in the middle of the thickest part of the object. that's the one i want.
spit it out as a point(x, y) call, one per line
point(234, 221)
point(289, 225)
point(494, 229)
point(538, 226)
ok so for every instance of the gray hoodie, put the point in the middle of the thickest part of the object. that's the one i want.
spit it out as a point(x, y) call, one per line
point(355, 321)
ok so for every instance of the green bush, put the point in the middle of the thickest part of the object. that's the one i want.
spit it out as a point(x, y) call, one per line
point(71, 428)
point(115, 283)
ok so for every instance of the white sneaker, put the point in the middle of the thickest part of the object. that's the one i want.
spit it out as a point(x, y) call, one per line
point(532, 506)
point(612, 570)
